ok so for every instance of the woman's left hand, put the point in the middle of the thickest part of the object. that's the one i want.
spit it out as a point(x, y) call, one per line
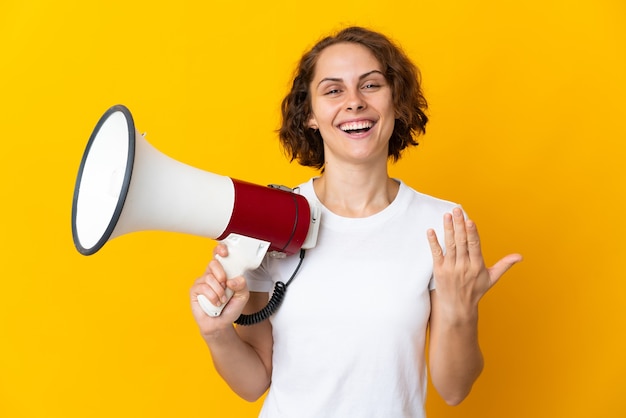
point(461, 277)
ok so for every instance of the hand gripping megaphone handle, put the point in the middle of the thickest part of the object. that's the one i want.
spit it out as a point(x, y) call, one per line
point(244, 253)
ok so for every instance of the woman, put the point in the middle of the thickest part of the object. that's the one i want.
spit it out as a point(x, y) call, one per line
point(349, 339)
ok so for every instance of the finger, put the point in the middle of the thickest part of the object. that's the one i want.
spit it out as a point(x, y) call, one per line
point(203, 287)
point(215, 268)
point(448, 237)
point(473, 243)
point(435, 248)
point(212, 290)
point(239, 297)
point(460, 234)
point(502, 266)
point(237, 284)
point(221, 250)
point(215, 279)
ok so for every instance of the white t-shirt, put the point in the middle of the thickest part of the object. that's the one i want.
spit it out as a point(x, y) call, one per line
point(349, 337)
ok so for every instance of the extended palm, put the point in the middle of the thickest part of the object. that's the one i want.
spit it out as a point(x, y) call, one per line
point(461, 277)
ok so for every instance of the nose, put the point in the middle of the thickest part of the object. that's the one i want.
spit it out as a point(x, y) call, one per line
point(355, 101)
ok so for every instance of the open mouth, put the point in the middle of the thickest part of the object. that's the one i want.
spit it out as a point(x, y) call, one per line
point(356, 127)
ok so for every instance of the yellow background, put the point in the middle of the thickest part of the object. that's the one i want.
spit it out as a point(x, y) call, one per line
point(528, 133)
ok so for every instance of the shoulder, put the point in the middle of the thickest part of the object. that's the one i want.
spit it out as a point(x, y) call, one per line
point(424, 202)
point(306, 189)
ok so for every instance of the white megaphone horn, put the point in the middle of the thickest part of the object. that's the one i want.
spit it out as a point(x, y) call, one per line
point(125, 185)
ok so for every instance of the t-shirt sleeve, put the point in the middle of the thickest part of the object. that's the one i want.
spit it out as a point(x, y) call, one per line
point(431, 283)
point(259, 280)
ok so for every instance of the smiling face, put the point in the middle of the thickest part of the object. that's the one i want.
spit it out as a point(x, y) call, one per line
point(352, 105)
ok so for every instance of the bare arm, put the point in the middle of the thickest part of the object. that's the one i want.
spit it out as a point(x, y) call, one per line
point(241, 355)
point(455, 357)
point(461, 280)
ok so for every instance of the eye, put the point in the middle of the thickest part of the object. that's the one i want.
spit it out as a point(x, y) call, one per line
point(332, 92)
point(370, 86)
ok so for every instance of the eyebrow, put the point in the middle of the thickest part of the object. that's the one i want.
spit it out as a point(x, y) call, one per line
point(361, 77)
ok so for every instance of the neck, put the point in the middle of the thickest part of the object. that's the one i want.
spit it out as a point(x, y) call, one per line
point(355, 192)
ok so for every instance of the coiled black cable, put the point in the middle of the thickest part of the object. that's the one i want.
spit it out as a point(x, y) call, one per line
point(272, 306)
point(274, 303)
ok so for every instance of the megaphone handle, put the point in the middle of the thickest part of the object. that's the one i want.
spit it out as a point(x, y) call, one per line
point(244, 253)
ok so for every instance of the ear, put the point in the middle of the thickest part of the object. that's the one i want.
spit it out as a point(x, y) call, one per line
point(312, 123)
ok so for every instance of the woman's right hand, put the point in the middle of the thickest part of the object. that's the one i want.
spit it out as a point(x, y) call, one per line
point(212, 284)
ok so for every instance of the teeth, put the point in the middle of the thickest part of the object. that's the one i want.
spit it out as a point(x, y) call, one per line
point(355, 126)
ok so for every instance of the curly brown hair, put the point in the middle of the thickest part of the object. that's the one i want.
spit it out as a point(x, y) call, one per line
point(305, 145)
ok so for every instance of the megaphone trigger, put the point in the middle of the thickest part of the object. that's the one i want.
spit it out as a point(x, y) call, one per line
point(244, 253)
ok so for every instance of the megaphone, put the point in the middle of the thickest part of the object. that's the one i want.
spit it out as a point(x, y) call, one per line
point(126, 185)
